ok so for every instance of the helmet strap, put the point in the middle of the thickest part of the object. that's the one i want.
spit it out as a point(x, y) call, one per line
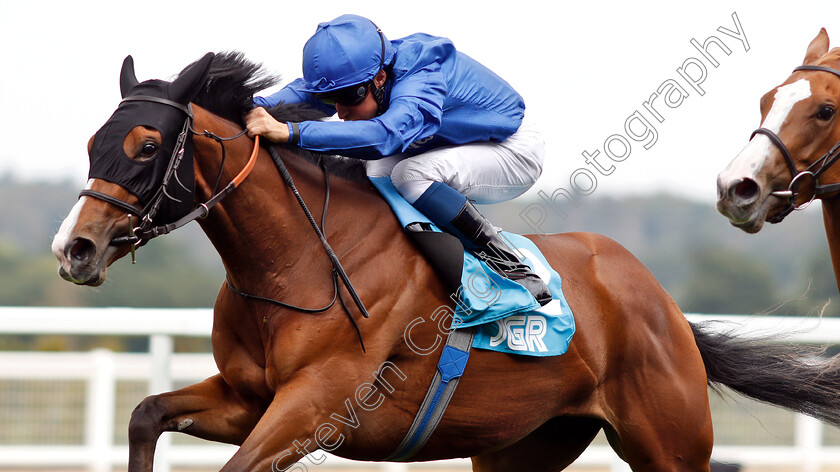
point(381, 95)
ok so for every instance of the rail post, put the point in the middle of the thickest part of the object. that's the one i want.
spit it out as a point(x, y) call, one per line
point(99, 414)
point(161, 347)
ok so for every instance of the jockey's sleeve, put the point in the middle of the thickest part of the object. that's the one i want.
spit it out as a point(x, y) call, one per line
point(414, 112)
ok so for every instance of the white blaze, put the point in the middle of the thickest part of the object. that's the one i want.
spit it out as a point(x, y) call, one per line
point(61, 238)
point(751, 159)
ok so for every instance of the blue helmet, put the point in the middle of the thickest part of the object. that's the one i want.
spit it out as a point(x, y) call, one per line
point(348, 50)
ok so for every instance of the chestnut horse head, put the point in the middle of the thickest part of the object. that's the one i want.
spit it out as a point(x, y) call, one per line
point(790, 158)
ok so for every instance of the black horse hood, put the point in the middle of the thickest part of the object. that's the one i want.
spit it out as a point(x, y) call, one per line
point(162, 106)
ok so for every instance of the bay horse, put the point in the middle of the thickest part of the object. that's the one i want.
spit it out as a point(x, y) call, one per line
point(292, 382)
point(789, 161)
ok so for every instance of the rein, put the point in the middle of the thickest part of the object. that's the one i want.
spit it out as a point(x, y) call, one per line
point(813, 171)
point(338, 270)
point(287, 177)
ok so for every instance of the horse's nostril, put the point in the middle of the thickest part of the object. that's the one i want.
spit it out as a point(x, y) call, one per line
point(746, 189)
point(80, 250)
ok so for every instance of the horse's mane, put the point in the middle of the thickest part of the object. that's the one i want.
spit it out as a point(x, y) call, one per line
point(229, 90)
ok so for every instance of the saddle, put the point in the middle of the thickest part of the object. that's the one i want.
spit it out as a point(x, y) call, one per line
point(505, 315)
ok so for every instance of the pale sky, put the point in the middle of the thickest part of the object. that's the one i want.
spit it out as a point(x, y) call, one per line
point(583, 70)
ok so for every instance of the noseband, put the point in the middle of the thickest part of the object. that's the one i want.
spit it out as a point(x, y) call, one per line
point(813, 171)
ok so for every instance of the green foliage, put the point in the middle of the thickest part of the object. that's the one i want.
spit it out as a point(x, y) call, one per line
point(819, 289)
point(164, 276)
point(723, 281)
point(707, 265)
point(670, 235)
point(180, 270)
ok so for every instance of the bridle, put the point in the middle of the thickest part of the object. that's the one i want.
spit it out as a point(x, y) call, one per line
point(145, 231)
point(813, 171)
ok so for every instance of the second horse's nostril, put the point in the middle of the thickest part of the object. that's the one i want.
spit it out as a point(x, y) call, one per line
point(746, 189)
point(80, 250)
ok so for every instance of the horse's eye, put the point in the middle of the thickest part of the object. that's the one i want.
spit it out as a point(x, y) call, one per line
point(148, 150)
point(825, 113)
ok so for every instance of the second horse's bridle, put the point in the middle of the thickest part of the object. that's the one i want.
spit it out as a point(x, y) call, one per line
point(813, 171)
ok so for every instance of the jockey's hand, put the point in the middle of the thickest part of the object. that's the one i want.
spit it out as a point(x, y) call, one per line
point(259, 122)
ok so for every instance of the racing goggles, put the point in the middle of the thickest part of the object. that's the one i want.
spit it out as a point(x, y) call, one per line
point(347, 96)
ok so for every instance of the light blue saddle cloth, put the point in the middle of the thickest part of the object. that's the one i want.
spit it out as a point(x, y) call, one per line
point(506, 316)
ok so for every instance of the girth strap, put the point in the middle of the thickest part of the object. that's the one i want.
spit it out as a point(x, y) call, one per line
point(452, 364)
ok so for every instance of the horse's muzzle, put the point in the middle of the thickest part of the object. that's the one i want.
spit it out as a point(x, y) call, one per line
point(79, 263)
point(741, 201)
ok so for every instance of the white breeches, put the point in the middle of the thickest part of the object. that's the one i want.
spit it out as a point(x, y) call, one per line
point(485, 172)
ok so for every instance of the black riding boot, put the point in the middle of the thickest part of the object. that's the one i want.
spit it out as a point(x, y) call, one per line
point(481, 238)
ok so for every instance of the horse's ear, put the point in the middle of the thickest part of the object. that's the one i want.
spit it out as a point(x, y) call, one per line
point(189, 82)
point(817, 48)
point(127, 78)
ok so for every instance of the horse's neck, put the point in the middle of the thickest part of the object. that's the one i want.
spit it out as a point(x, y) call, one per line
point(831, 218)
point(260, 230)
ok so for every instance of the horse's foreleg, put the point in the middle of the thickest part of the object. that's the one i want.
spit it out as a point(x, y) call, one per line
point(297, 422)
point(208, 410)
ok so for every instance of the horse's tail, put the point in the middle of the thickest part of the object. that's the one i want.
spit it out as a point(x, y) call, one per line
point(795, 377)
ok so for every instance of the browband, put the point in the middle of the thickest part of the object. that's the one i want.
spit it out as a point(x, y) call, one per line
point(149, 98)
point(821, 68)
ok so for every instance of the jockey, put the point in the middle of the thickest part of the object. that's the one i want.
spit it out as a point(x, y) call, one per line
point(446, 129)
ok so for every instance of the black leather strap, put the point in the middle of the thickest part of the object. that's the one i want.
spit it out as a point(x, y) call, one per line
point(781, 146)
point(200, 211)
point(295, 134)
point(131, 209)
point(287, 177)
point(148, 98)
point(819, 68)
point(827, 188)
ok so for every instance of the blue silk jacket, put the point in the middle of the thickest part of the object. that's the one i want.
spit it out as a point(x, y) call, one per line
point(437, 96)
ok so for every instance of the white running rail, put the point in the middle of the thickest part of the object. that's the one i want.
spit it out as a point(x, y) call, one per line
point(161, 367)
